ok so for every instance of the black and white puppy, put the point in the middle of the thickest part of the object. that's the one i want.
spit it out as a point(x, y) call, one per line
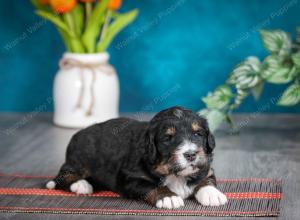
point(163, 161)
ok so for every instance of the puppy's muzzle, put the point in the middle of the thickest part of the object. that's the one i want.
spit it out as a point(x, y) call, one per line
point(190, 156)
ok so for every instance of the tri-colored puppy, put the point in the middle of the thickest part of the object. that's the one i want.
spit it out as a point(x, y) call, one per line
point(163, 161)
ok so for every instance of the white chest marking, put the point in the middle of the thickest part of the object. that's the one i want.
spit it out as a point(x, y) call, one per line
point(177, 184)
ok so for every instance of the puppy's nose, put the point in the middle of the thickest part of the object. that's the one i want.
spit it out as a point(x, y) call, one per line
point(190, 156)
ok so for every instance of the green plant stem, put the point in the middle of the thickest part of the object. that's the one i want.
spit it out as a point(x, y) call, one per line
point(230, 122)
point(70, 21)
point(88, 11)
point(105, 25)
point(76, 46)
point(66, 40)
point(74, 42)
point(92, 31)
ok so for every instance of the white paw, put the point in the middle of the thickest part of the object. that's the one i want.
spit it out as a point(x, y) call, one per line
point(81, 187)
point(171, 202)
point(210, 196)
point(51, 185)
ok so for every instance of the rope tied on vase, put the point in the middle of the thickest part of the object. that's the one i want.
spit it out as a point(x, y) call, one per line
point(104, 67)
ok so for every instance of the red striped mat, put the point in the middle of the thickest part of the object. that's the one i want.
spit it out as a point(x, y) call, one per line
point(26, 194)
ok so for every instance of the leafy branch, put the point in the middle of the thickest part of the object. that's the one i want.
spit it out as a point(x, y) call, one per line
point(281, 66)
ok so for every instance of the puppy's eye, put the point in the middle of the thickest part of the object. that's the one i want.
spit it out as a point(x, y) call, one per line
point(168, 137)
point(198, 134)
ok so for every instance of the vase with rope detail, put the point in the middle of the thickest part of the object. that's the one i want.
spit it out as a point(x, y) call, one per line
point(86, 90)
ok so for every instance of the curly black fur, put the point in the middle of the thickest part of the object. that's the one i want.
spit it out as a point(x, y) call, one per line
point(132, 157)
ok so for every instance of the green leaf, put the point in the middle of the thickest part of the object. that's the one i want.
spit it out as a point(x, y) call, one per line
point(270, 65)
point(214, 118)
point(291, 96)
point(114, 14)
point(120, 22)
point(275, 72)
point(56, 20)
point(298, 36)
point(72, 43)
point(296, 59)
point(246, 74)
point(257, 90)
point(282, 75)
point(93, 27)
point(224, 91)
point(276, 42)
point(240, 96)
point(219, 98)
point(40, 6)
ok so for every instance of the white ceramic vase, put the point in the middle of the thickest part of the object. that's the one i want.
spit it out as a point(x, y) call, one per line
point(86, 90)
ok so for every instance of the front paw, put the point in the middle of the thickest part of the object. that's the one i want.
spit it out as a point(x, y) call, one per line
point(210, 196)
point(170, 202)
point(81, 187)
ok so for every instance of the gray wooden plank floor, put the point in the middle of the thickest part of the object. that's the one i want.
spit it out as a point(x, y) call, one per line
point(268, 146)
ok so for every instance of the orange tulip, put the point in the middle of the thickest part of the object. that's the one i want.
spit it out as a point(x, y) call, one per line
point(114, 4)
point(87, 1)
point(44, 2)
point(63, 6)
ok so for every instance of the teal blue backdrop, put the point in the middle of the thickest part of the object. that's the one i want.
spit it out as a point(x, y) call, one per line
point(175, 52)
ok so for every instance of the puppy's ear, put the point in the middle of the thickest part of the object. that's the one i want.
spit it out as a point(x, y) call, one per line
point(211, 144)
point(151, 148)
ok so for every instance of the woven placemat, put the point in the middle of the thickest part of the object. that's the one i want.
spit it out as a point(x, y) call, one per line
point(26, 194)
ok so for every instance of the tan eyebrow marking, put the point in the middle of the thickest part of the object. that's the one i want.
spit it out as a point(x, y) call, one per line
point(195, 126)
point(171, 131)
